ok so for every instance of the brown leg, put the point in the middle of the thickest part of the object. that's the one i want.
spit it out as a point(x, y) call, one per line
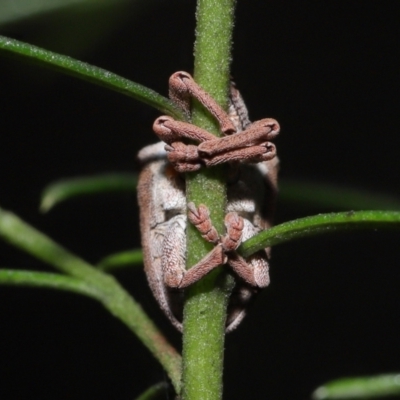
point(181, 84)
point(254, 154)
point(258, 132)
point(212, 260)
point(200, 218)
point(252, 145)
point(253, 271)
point(169, 130)
point(183, 157)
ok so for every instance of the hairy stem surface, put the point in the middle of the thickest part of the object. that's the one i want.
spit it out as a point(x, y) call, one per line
point(206, 301)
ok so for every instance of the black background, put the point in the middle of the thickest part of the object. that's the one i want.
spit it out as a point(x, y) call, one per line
point(329, 72)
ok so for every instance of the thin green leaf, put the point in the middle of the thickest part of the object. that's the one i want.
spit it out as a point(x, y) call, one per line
point(113, 296)
point(90, 73)
point(157, 391)
point(319, 224)
point(48, 280)
point(360, 388)
point(121, 260)
point(27, 238)
point(330, 196)
point(69, 188)
point(12, 10)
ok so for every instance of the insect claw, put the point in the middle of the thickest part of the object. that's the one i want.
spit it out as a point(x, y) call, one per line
point(200, 218)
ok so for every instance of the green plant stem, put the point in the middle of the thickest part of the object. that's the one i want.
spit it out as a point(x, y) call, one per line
point(105, 288)
point(206, 301)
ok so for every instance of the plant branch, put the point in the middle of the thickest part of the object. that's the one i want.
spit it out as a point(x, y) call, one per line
point(206, 301)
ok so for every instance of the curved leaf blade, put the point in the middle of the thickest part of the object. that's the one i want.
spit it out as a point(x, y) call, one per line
point(157, 391)
point(111, 294)
point(14, 277)
point(121, 260)
point(368, 387)
point(324, 195)
point(11, 11)
point(87, 72)
point(319, 224)
point(69, 188)
point(24, 236)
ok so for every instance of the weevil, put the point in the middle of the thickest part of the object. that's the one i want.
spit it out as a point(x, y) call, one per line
point(164, 212)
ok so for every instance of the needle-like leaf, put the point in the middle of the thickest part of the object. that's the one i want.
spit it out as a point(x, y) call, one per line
point(105, 288)
point(367, 387)
point(319, 224)
point(69, 188)
point(322, 195)
point(11, 11)
point(157, 391)
point(14, 277)
point(121, 260)
point(89, 73)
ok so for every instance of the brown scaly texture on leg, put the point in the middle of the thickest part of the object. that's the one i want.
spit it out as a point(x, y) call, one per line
point(253, 145)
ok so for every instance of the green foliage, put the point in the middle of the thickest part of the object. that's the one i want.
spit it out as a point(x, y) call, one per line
point(367, 387)
point(319, 224)
point(121, 260)
point(14, 10)
point(66, 189)
point(84, 279)
point(90, 73)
